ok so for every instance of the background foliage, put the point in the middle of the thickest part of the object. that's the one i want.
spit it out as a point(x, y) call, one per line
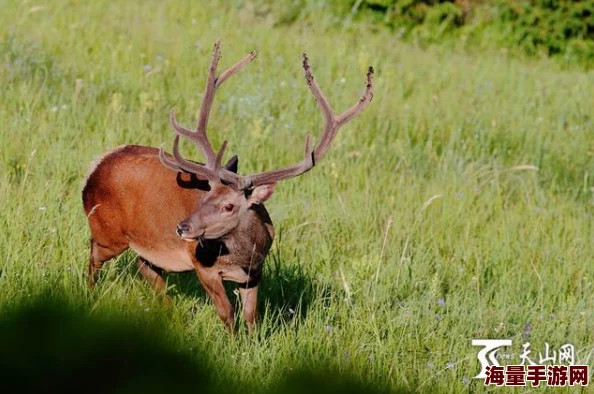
point(459, 205)
point(562, 28)
point(556, 27)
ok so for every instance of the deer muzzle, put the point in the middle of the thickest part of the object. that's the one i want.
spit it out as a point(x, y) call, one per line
point(185, 231)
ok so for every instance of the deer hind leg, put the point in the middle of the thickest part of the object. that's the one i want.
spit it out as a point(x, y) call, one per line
point(98, 256)
point(154, 277)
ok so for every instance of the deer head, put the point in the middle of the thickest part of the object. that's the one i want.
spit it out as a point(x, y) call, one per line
point(231, 196)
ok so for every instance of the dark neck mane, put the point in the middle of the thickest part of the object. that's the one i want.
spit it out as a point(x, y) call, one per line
point(246, 246)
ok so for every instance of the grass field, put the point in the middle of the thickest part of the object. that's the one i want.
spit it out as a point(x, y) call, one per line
point(457, 206)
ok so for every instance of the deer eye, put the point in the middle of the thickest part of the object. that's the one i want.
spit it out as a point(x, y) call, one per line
point(227, 208)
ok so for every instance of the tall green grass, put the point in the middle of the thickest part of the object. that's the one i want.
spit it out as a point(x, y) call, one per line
point(457, 206)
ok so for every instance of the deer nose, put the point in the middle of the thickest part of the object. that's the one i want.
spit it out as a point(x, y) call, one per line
point(182, 228)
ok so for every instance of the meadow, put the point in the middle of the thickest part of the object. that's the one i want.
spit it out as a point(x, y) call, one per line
point(457, 206)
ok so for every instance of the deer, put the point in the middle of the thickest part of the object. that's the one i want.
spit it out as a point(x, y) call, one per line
point(179, 215)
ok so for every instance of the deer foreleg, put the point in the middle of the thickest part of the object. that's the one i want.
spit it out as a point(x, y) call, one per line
point(249, 301)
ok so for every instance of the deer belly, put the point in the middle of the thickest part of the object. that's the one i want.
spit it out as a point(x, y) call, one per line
point(176, 260)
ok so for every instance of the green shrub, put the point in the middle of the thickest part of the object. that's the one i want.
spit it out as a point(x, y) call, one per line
point(416, 13)
point(550, 26)
point(563, 28)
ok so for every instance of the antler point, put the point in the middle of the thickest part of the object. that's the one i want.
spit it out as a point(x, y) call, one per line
point(305, 61)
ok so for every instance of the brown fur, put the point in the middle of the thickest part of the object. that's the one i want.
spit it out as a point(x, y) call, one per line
point(133, 201)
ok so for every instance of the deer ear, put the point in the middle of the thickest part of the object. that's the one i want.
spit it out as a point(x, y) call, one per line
point(261, 193)
point(232, 164)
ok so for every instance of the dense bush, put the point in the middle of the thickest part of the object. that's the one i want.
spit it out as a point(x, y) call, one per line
point(415, 12)
point(532, 27)
point(416, 15)
point(551, 26)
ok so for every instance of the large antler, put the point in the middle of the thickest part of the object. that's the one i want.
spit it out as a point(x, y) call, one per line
point(213, 170)
point(332, 124)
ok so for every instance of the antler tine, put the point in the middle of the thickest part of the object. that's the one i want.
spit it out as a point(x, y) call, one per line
point(200, 136)
point(219, 157)
point(177, 128)
point(333, 122)
point(327, 112)
point(168, 162)
point(235, 68)
point(189, 166)
point(363, 101)
point(318, 95)
point(286, 173)
point(212, 83)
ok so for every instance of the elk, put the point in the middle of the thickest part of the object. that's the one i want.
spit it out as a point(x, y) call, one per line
point(179, 215)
